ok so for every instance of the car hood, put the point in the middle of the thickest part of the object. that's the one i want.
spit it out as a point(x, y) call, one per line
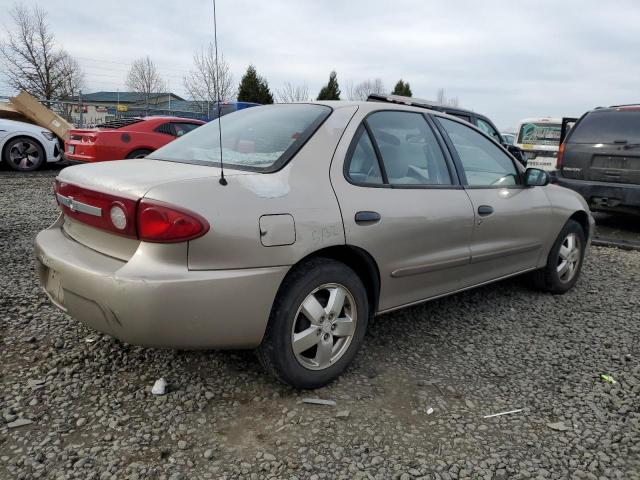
point(134, 178)
point(17, 126)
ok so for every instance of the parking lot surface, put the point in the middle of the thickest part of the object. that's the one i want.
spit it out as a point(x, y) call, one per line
point(76, 404)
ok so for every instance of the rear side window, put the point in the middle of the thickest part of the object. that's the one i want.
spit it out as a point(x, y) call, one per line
point(363, 166)
point(410, 152)
point(259, 138)
point(484, 163)
point(607, 127)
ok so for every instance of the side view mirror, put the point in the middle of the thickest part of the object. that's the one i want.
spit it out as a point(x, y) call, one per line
point(534, 177)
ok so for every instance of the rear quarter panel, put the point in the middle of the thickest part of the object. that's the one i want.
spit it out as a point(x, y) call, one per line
point(301, 189)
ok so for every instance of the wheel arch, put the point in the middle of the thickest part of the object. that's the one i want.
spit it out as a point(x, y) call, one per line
point(582, 218)
point(360, 261)
point(149, 149)
point(11, 138)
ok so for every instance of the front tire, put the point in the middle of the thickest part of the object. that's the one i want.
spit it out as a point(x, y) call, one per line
point(24, 154)
point(317, 324)
point(564, 262)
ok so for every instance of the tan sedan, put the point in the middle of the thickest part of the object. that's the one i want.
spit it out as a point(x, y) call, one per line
point(325, 215)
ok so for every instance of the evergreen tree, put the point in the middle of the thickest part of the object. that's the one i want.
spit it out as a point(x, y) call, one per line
point(331, 91)
point(402, 88)
point(254, 88)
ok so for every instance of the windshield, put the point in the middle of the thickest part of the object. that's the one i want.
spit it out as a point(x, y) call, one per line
point(540, 133)
point(608, 127)
point(259, 138)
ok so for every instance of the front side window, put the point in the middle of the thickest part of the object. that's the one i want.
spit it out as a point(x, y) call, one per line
point(259, 138)
point(410, 153)
point(182, 128)
point(489, 130)
point(483, 162)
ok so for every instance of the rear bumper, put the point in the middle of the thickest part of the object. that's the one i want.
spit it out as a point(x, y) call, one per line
point(83, 152)
point(156, 303)
point(604, 196)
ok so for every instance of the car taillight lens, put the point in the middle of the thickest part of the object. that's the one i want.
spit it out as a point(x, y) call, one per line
point(88, 139)
point(97, 209)
point(147, 220)
point(162, 223)
point(559, 157)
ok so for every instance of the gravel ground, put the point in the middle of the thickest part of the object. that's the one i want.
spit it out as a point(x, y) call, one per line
point(75, 404)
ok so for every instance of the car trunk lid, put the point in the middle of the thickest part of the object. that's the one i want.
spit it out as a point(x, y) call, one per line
point(86, 194)
point(610, 163)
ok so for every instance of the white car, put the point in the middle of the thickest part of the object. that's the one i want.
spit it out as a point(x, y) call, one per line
point(26, 147)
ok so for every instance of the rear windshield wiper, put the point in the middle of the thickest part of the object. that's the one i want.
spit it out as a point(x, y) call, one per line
point(629, 146)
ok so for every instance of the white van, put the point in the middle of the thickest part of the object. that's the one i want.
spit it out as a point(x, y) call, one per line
point(540, 140)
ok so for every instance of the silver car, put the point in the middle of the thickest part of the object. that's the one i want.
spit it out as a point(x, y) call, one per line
point(325, 215)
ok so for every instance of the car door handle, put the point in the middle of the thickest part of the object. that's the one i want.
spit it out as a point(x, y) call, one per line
point(484, 210)
point(367, 218)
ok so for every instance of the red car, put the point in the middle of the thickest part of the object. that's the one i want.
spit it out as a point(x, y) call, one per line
point(125, 138)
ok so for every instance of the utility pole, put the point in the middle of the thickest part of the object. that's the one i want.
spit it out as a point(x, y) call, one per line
point(80, 107)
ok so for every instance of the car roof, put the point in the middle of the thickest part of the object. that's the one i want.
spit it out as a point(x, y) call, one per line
point(617, 108)
point(173, 119)
point(541, 120)
point(367, 106)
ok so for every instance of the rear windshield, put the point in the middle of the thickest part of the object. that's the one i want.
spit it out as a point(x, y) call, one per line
point(542, 133)
point(259, 138)
point(607, 127)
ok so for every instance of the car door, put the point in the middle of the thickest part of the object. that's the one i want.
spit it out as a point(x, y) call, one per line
point(511, 220)
point(401, 202)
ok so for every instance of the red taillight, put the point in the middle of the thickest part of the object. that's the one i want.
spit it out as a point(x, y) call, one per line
point(162, 223)
point(148, 220)
point(100, 210)
point(559, 157)
point(88, 139)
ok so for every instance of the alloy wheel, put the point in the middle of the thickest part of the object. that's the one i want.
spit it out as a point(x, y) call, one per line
point(568, 258)
point(324, 326)
point(24, 155)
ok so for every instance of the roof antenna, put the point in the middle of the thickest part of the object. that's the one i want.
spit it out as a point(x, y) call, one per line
point(222, 181)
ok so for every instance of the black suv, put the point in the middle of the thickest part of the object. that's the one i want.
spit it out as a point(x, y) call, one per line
point(476, 119)
point(600, 158)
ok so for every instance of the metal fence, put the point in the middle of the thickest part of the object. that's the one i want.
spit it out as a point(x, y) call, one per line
point(87, 114)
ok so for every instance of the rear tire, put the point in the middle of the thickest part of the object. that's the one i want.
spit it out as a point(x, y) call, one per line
point(564, 262)
point(317, 324)
point(24, 154)
point(138, 154)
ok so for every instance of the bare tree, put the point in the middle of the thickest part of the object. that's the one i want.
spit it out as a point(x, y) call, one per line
point(366, 88)
point(200, 82)
point(33, 61)
point(349, 91)
point(290, 93)
point(73, 84)
point(442, 99)
point(143, 77)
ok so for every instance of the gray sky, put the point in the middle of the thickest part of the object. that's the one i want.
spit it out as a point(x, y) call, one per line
point(506, 59)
